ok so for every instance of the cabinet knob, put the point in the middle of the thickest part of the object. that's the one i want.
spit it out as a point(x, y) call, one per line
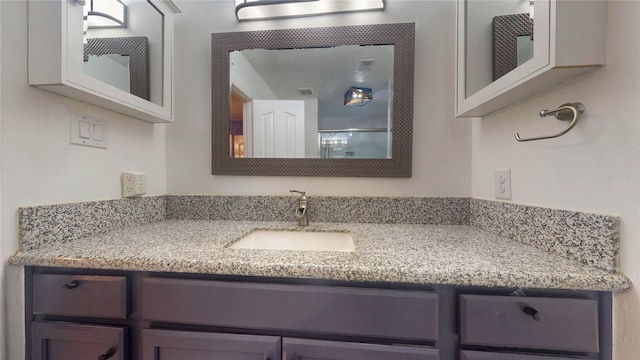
point(112, 350)
point(532, 312)
point(71, 284)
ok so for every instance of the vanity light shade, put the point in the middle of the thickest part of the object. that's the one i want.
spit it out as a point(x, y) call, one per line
point(357, 96)
point(106, 14)
point(274, 9)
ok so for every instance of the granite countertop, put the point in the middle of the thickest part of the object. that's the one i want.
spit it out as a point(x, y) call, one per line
point(399, 253)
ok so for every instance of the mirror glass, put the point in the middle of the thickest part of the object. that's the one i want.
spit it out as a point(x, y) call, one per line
point(123, 46)
point(310, 74)
point(498, 38)
point(297, 102)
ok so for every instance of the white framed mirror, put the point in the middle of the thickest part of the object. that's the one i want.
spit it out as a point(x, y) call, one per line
point(126, 67)
point(568, 39)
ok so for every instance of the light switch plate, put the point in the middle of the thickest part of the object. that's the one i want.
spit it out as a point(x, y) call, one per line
point(88, 131)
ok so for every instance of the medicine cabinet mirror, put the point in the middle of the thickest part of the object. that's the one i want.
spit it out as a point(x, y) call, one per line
point(508, 50)
point(334, 101)
point(116, 54)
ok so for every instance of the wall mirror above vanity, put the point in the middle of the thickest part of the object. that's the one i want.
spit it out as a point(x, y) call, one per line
point(334, 101)
point(116, 54)
point(508, 50)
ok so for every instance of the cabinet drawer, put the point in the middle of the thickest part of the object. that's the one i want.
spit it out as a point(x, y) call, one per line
point(186, 345)
point(558, 324)
point(301, 349)
point(80, 295)
point(66, 341)
point(319, 309)
point(482, 355)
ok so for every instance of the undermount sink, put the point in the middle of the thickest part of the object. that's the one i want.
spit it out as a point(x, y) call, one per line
point(296, 240)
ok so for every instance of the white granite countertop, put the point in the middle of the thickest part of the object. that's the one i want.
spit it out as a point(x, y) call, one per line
point(399, 253)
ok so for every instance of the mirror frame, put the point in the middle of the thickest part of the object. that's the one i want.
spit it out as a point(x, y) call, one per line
point(506, 29)
point(401, 35)
point(137, 48)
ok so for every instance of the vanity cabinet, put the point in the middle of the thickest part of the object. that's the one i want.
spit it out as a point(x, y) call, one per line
point(165, 316)
point(66, 341)
point(127, 68)
point(350, 314)
point(529, 322)
point(331, 310)
point(481, 355)
point(73, 317)
point(181, 345)
point(294, 349)
point(80, 295)
point(568, 40)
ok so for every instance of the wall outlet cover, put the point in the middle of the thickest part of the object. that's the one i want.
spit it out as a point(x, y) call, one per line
point(502, 182)
point(134, 183)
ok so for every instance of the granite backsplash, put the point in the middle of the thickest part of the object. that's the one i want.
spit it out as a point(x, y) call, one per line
point(591, 239)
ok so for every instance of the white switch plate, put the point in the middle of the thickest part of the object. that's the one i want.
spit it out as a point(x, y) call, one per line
point(88, 131)
point(134, 183)
point(502, 182)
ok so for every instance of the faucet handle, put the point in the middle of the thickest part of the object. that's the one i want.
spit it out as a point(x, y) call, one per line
point(299, 192)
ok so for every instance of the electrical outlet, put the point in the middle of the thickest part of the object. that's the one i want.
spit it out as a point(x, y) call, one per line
point(134, 183)
point(502, 184)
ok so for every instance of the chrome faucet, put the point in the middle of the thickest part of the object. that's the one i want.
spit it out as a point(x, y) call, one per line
point(301, 211)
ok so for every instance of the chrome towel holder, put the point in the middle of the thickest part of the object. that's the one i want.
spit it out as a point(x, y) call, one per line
point(565, 112)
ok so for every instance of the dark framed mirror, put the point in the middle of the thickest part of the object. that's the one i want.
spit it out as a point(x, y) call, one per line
point(121, 61)
point(396, 97)
point(512, 42)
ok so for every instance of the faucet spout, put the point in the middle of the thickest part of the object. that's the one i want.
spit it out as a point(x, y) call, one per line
point(301, 211)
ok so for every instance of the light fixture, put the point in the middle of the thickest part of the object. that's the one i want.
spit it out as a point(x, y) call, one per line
point(358, 96)
point(531, 7)
point(105, 14)
point(273, 9)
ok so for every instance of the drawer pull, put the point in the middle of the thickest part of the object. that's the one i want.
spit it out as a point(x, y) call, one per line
point(71, 284)
point(532, 312)
point(112, 350)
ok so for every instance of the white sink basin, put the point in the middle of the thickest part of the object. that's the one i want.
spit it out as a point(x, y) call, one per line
point(296, 240)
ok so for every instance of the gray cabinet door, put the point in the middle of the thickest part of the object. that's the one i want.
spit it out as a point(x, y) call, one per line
point(186, 345)
point(481, 355)
point(529, 322)
point(80, 295)
point(399, 314)
point(302, 349)
point(66, 341)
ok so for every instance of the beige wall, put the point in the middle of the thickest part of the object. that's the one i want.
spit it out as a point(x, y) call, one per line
point(594, 168)
point(441, 151)
point(39, 166)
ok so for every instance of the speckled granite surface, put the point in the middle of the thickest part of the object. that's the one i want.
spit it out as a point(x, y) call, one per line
point(40, 225)
point(414, 240)
point(421, 254)
point(380, 210)
point(589, 238)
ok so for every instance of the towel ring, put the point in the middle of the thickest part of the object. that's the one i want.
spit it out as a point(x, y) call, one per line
point(565, 112)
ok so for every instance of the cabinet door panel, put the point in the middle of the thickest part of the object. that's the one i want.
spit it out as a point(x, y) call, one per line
point(508, 321)
point(80, 295)
point(398, 314)
point(183, 345)
point(481, 355)
point(301, 349)
point(65, 341)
